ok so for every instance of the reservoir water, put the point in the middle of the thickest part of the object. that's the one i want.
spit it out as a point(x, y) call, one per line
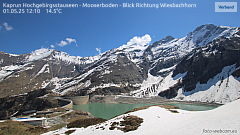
point(108, 111)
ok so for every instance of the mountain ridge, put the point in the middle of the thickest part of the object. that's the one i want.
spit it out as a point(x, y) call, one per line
point(135, 69)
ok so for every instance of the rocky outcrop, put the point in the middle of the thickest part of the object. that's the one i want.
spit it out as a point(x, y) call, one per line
point(172, 91)
point(208, 61)
point(22, 73)
point(16, 105)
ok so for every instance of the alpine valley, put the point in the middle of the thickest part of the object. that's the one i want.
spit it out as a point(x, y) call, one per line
point(202, 66)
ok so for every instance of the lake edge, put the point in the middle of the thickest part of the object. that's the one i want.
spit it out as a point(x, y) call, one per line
point(108, 111)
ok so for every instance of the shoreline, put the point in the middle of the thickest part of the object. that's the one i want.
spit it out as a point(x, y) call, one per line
point(115, 99)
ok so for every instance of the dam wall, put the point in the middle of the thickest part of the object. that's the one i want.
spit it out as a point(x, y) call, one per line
point(79, 100)
point(69, 105)
point(64, 103)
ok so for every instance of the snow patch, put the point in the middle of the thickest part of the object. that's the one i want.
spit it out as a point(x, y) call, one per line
point(8, 70)
point(13, 55)
point(39, 54)
point(154, 85)
point(101, 86)
point(167, 69)
point(76, 60)
point(43, 69)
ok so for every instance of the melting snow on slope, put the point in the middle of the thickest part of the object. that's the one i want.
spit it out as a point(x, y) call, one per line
point(4, 73)
point(150, 80)
point(216, 89)
point(167, 69)
point(8, 70)
point(43, 69)
point(153, 85)
point(106, 85)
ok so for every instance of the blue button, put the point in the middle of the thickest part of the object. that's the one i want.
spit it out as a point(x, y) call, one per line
point(225, 6)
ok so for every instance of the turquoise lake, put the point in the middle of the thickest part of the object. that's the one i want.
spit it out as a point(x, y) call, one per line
point(108, 111)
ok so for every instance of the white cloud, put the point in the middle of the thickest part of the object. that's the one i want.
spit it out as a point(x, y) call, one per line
point(67, 41)
point(62, 43)
point(144, 40)
point(70, 40)
point(52, 46)
point(99, 50)
point(7, 27)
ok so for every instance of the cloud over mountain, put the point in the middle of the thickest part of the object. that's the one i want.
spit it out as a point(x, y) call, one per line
point(146, 39)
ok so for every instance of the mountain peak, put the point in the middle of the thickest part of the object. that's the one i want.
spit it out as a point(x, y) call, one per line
point(164, 40)
point(167, 39)
point(205, 27)
point(208, 32)
point(39, 54)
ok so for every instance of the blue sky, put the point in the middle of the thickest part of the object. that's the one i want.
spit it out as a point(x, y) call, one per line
point(104, 28)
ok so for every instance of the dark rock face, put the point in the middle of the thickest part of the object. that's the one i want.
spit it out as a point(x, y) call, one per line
point(164, 40)
point(208, 61)
point(8, 59)
point(162, 53)
point(172, 91)
point(236, 73)
point(19, 104)
point(163, 64)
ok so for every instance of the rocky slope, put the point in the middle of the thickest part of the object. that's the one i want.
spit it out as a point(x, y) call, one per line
point(16, 105)
point(20, 74)
point(138, 69)
point(212, 70)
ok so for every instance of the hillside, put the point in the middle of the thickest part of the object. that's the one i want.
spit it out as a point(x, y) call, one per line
point(180, 68)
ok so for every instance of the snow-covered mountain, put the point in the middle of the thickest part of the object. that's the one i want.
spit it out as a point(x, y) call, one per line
point(137, 69)
point(22, 73)
point(216, 60)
